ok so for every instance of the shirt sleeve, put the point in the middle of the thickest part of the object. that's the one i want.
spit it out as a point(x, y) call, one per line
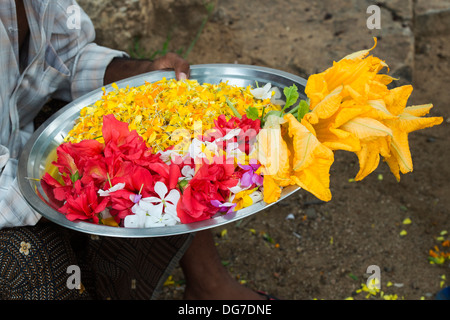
point(72, 39)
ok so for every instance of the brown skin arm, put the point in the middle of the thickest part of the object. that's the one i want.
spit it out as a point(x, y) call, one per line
point(121, 68)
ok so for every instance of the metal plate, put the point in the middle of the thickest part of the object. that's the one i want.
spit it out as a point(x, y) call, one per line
point(45, 140)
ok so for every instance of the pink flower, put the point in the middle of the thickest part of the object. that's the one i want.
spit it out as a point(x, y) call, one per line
point(226, 207)
point(249, 177)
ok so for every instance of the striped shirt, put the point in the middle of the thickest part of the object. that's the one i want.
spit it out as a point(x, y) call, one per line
point(62, 62)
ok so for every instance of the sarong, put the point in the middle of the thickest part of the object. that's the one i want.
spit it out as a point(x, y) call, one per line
point(42, 262)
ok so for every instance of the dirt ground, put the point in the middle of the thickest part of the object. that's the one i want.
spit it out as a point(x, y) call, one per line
point(301, 248)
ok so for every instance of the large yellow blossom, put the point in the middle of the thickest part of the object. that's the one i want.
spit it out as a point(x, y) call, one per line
point(351, 108)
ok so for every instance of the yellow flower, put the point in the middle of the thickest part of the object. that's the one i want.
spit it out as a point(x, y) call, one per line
point(272, 191)
point(354, 72)
point(246, 198)
point(291, 154)
point(274, 156)
point(407, 121)
point(311, 160)
point(374, 138)
point(273, 152)
point(352, 109)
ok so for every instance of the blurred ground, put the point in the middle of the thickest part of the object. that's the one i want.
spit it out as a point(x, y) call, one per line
point(324, 251)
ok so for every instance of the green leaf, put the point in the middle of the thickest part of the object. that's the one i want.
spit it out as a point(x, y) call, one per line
point(235, 112)
point(302, 110)
point(291, 94)
point(351, 275)
point(252, 113)
point(183, 183)
point(75, 177)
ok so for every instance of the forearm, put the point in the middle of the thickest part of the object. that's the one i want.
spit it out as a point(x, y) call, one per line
point(122, 68)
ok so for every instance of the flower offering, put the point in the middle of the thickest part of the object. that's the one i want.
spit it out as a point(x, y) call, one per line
point(173, 152)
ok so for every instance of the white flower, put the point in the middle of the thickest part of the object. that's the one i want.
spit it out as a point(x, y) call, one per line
point(137, 220)
point(262, 93)
point(187, 173)
point(167, 201)
point(200, 149)
point(276, 98)
point(168, 156)
point(155, 211)
point(230, 134)
point(256, 196)
point(195, 149)
point(236, 189)
point(233, 150)
point(105, 193)
point(161, 220)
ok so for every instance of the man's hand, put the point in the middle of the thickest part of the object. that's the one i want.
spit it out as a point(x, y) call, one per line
point(172, 61)
point(121, 68)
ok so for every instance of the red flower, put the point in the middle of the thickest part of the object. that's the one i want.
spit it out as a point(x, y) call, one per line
point(139, 182)
point(55, 191)
point(83, 203)
point(124, 145)
point(211, 182)
point(88, 166)
point(120, 142)
point(246, 137)
point(72, 156)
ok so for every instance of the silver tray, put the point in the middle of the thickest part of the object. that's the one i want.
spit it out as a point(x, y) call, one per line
point(49, 135)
